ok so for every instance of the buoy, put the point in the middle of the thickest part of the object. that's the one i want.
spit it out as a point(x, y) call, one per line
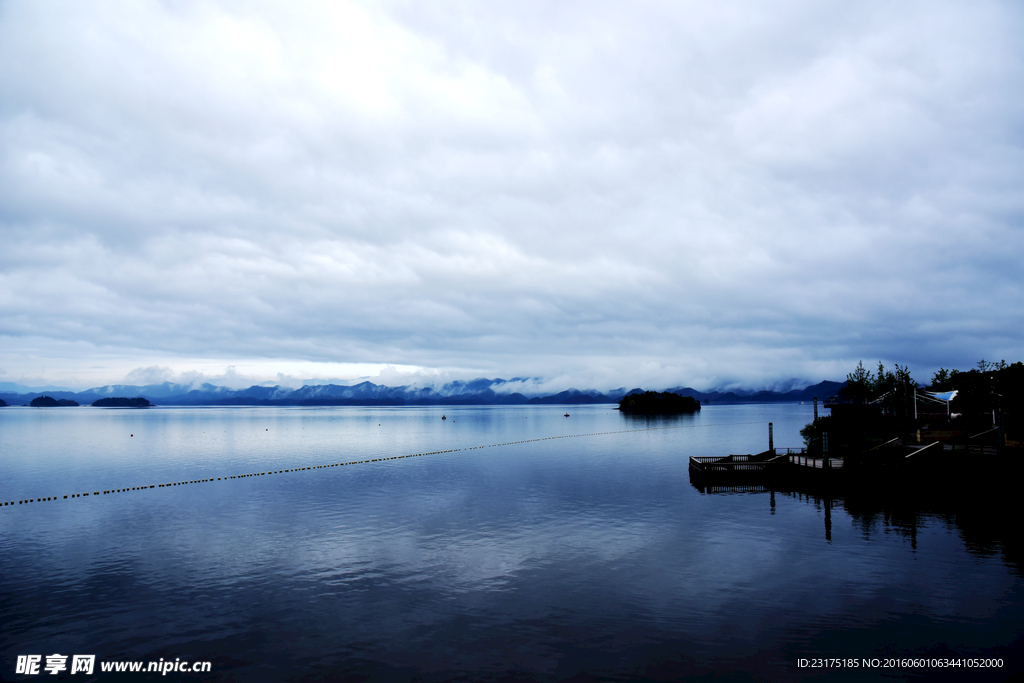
point(443, 417)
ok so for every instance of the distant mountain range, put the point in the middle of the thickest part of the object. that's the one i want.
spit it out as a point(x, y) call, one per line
point(475, 392)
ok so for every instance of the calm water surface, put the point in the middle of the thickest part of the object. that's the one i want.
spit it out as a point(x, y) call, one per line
point(512, 555)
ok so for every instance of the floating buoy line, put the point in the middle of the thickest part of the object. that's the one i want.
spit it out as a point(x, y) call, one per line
point(208, 480)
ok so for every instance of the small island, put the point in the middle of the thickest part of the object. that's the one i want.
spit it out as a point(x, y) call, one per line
point(49, 402)
point(120, 402)
point(658, 403)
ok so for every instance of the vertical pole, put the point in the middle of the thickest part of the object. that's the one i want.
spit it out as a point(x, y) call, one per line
point(815, 408)
point(771, 438)
point(1002, 428)
point(824, 445)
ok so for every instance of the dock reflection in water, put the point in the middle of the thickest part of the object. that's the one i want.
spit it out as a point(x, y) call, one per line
point(984, 516)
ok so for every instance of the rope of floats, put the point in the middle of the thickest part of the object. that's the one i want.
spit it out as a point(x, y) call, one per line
point(207, 480)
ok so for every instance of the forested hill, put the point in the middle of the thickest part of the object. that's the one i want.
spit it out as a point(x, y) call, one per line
point(821, 391)
point(475, 392)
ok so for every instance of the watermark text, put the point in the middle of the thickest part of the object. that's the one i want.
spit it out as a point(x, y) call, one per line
point(56, 663)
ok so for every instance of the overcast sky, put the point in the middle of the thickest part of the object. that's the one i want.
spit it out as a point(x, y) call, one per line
point(599, 194)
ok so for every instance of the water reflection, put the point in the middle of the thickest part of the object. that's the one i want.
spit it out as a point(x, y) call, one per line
point(640, 421)
point(828, 519)
point(983, 516)
point(545, 548)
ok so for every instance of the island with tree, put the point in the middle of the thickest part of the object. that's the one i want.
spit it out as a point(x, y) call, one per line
point(120, 402)
point(658, 403)
point(50, 402)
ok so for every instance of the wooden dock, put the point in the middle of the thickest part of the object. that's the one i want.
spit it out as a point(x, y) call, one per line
point(789, 466)
point(902, 462)
point(761, 462)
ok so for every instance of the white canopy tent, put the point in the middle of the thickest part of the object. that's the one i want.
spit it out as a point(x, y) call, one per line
point(934, 397)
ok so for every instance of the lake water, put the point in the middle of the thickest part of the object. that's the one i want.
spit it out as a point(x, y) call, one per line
point(515, 544)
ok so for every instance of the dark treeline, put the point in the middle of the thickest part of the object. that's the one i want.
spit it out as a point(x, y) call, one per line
point(985, 388)
point(874, 408)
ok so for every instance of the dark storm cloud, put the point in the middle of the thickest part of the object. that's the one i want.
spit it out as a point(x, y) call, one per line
point(656, 193)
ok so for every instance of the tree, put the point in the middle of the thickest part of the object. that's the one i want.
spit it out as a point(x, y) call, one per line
point(942, 380)
point(903, 393)
point(859, 384)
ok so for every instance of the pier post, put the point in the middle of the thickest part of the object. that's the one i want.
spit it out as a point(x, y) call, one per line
point(824, 448)
point(815, 408)
point(771, 438)
point(1002, 428)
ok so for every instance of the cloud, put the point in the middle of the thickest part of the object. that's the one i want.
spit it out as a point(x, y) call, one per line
point(154, 374)
point(663, 194)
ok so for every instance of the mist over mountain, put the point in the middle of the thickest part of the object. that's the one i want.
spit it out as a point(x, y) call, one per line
point(15, 388)
point(481, 391)
point(821, 390)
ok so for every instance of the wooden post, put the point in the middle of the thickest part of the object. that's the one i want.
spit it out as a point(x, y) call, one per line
point(1002, 429)
point(815, 408)
point(771, 438)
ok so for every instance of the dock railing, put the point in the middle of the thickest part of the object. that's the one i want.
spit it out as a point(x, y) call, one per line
point(815, 463)
point(977, 449)
point(735, 464)
point(801, 458)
